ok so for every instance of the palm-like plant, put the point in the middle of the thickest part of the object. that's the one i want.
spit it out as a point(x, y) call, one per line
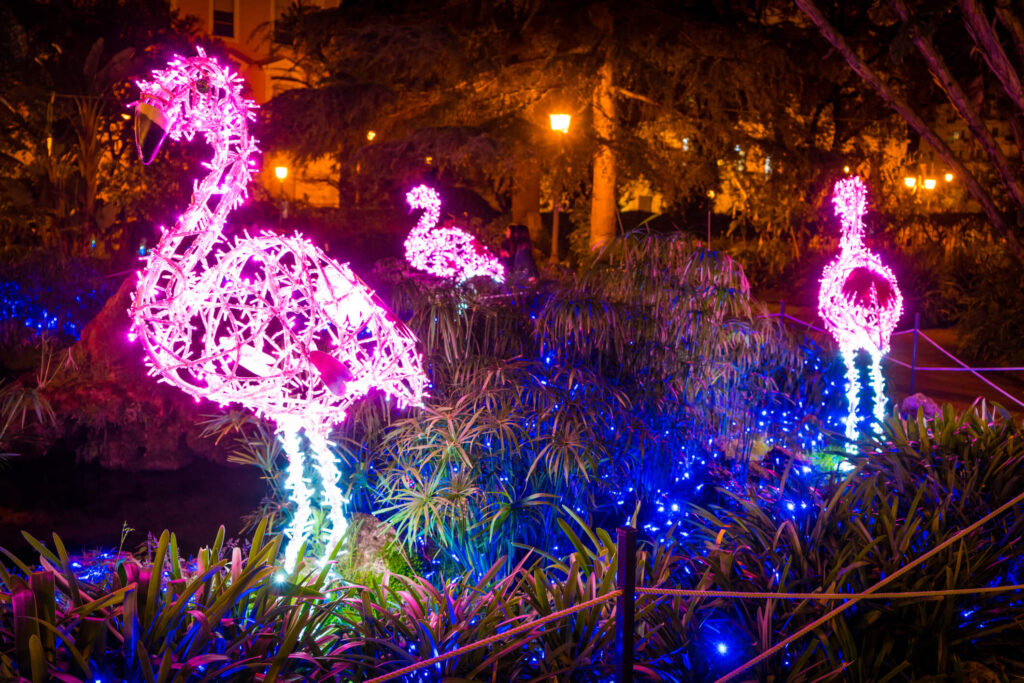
point(597, 390)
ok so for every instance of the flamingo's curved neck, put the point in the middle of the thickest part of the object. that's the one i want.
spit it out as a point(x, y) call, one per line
point(852, 241)
point(222, 116)
point(427, 199)
point(850, 200)
point(425, 224)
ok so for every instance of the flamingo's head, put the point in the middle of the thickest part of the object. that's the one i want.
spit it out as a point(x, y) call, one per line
point(193, 94)
point(426, 198)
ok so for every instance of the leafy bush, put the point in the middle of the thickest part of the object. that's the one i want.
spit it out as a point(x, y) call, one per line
point(915, 487)
point(40, 294)
point(227, 616)
point(594, 393)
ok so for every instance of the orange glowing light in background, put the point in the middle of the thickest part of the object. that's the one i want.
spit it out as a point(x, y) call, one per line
point(560, 122)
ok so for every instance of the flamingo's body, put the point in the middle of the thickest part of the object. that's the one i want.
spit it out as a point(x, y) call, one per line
point(446, 252)
point(267, 321)
point(859, 300)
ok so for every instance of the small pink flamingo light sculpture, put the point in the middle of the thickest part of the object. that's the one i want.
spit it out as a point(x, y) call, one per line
point(859, 301)
point(266, 321)
point(446, 252)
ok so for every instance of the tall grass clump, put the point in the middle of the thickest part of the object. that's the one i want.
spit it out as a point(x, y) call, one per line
point(914, 487)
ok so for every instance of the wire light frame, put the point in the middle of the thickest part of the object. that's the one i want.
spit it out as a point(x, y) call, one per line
point(449, 252)
point(859, 301)
point(268, 321)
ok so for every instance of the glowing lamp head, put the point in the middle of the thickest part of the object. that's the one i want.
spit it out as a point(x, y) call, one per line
point(910, 181)
point(370, 135)
point(281, 172)
point(948, 177)
point(560, 122)
point(929, 183)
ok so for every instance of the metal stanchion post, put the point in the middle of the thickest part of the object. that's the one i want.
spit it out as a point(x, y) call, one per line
point(913, 356)
point(625, 605)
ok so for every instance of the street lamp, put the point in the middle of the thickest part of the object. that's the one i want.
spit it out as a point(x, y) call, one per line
point(711, 205)
point(910, 181)
point(281, 172)
point(560, 124)
point(929, 183)
point(948, 177)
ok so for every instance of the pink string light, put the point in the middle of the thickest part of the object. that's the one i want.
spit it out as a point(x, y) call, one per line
point(266, 321)
point(450, 252)
point(859, 299)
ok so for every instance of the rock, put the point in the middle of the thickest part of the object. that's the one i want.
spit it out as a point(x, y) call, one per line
point(910, 405)
point(374, 550)
point(111, 412)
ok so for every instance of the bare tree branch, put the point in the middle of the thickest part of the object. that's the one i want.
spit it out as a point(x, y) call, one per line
point(1013, 23)
point(916, 122)
point(949, 85)
point(985, 38)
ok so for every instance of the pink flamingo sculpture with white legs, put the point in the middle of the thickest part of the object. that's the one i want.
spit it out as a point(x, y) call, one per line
point(859, 300)
point(266, 321)
point(446, 252)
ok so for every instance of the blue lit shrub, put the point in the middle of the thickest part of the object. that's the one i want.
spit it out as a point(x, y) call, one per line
point(914, 487)
point(638, 383)
point(45, 295)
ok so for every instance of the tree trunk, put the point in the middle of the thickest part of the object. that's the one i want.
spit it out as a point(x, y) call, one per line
point(526, 198)
point(603, 202)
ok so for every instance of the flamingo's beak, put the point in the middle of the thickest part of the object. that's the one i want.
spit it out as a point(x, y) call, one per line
point(151, 126)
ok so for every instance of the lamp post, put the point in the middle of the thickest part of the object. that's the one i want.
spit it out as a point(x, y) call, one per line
point(559, 124)
point(281, 172)
point(711, 205)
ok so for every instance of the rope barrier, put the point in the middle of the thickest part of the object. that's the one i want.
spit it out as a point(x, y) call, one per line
point(679, 592)
point(742, 595)
point(944, 369)
point(850, 602)
point(787, 316)
point(963, 366)
point(494, 638)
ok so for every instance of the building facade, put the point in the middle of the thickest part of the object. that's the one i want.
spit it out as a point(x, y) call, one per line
point(246, 27)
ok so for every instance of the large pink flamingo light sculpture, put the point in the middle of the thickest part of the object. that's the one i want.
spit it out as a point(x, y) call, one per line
point(859, 301)
point(449, 252)
point(266, 321)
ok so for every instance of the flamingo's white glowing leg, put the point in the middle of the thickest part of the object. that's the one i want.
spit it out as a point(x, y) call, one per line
point(878, 385)
point(329, 477)
point(301, 493)
point(852, 397)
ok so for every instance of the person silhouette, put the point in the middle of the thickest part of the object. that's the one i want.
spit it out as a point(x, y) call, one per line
point(516, 254)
